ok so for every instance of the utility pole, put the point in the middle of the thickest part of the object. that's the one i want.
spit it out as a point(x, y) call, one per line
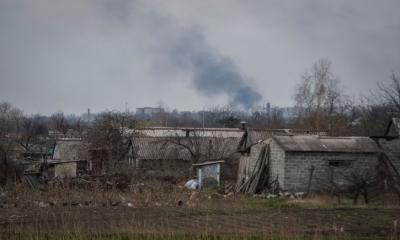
point(126, 108)
point(88, 116)
point(203, 118)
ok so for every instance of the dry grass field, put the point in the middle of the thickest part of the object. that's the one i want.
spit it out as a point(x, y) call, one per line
point(175, 213)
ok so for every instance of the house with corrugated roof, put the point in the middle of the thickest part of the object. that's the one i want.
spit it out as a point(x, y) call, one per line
point(178, 148)
point(69, 158)
point(252, 147)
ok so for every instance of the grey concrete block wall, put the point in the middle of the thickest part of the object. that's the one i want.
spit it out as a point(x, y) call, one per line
point(298, 167)
point(277, 164)
point(293, 168)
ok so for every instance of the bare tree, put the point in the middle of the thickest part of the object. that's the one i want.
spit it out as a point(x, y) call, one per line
point(318, 97)
point(110, 134)
point(9, 118)
point(376, 108)
point(59, 122)
point(32, 133)
point(352, 182)
point(361, 183)
point(202, 144)
point(390, 94)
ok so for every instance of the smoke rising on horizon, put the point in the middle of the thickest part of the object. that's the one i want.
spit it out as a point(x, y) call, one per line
point(212, 74)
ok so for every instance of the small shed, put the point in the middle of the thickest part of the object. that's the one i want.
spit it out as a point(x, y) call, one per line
point(302, 163)
point(69, 158)
point(208, 173)
point(254, 149)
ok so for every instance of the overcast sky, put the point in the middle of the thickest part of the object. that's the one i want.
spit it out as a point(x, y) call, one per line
point(101, 54)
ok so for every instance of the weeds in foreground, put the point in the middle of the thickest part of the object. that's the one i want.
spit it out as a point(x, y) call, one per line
point(128, 236)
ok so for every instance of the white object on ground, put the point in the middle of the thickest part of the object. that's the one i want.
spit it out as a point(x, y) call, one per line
point(192, 184)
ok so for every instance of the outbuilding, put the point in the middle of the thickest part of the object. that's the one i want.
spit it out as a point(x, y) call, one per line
point(302, 163)
point(68, 158)
point(208, 174)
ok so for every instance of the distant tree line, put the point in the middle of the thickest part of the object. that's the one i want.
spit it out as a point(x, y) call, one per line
point(319, 97)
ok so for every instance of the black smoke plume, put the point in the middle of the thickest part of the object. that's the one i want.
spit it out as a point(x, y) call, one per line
point(213, 74)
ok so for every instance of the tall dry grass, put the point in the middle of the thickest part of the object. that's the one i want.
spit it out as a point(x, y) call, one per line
point(157, 211)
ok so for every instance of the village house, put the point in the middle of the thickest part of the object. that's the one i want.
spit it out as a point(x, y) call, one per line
point(156, 153)
point(176, 149)
point(64, 158)
point(302, 163)
point(69, 158)
point(253, 149)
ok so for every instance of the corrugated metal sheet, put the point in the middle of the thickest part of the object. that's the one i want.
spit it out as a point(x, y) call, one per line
point(327, 144)
point(155, 148)
point(178, 147)
point(255, 136)
point(194, 132)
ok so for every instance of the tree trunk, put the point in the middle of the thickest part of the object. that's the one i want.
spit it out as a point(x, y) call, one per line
point(365, 195)
point(355, 199)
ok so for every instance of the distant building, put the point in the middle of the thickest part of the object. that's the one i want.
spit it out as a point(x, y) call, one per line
point(148, 111)
point(176, 149)
point(163, 147)
point(69, 158)
point(65, 158)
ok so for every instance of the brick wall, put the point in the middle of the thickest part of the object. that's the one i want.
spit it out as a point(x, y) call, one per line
point(293, 168)
point(277, 164)
point(297, 169)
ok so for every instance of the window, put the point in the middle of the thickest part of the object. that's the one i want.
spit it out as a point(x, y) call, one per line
point(339, 163)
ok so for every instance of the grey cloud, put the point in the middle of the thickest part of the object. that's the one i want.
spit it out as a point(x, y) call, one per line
point(70, 55)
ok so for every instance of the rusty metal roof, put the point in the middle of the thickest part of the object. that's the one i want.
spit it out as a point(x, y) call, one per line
point(314, 143)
